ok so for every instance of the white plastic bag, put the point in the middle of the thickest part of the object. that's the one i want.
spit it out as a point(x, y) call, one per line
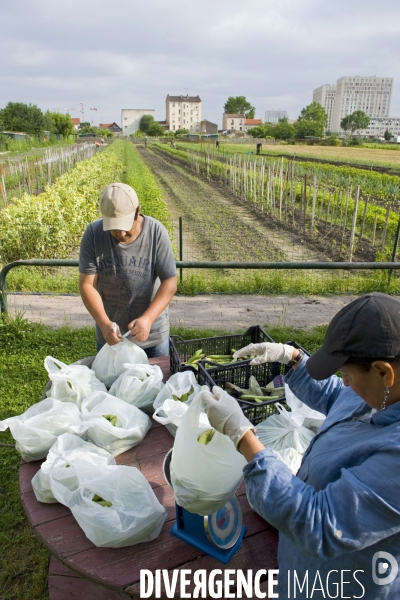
point(36, 430)
point(71, 383)
point(203, 477)
point(139, 385)
point(131, 425)
point(170, 414)
point(284, 430)
point(135, 515)
point(109, 362)
point(177, 386)
point(68, 448)
point(312, 418)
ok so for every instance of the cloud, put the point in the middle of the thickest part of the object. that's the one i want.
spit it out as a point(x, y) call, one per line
point(128, 54)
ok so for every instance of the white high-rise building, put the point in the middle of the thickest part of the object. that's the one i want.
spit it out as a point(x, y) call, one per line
point(325, 95)
point(372, 95)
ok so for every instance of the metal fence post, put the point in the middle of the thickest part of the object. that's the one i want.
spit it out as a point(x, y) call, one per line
point(396, 244)
point(180, 248)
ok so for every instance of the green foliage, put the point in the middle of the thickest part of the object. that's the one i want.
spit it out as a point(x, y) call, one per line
point(239, 105)
point(262, 131)
point(145, 122)
point(387, 135)
point(59, 124)
point(354, 122)
point(331, 140)
point(311, 122)
point(284, 130)
point(27, 118)
point(142, 180)
point(181, 132)
point(155, 130)
point(51, 225)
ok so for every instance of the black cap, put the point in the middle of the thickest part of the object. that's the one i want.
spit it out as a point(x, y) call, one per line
point(368, 327)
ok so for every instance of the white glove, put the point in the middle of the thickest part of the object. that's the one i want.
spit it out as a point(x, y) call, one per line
point(266, 352)
point(225, 414)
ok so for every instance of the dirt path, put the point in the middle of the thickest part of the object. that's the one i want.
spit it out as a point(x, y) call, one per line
point(217, 225)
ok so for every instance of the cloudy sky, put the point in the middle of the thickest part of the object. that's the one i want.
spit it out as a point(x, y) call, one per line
point(109, 55)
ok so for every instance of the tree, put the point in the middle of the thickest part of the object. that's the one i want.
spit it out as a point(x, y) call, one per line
point(17, 116)
point(155, 130)
point(180, 132)
point(311, 122)
point(387, 135)
point(352, 123)
point(59, 124)
point(284, 130)
point(86, 127)
point(239, 105)
point(145, 122)
point(262, 131)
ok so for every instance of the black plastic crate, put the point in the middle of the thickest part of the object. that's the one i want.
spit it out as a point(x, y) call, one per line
point(181, 350)
point(239, 374)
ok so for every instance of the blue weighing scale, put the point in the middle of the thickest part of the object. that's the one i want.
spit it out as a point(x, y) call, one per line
point(219, 535)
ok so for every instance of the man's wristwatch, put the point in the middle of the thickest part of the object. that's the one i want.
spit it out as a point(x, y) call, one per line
point(296, 360)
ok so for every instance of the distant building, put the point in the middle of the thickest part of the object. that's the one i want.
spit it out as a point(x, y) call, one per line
point(75, 122)
point(208, 127)
point(378, 125)
point(130, 118)
point(325, 96)
point(183, 112)
point(250, 123)
point(372, 95)
point(163, 124)
point(273, 116)
point(113, 127)
point(233, 122)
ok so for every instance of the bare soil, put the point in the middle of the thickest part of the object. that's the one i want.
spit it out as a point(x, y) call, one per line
point(219, 226)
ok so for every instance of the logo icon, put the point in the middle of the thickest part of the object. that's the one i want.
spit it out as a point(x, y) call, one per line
point(382, 568)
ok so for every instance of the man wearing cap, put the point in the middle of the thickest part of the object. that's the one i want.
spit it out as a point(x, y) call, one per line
point(127, 273)
point(339, 517)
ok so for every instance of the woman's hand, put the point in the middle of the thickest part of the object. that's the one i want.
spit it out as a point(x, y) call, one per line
point(225, 414)
point(267, 352)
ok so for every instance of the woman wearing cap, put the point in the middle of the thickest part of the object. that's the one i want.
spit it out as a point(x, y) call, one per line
point(339, 518)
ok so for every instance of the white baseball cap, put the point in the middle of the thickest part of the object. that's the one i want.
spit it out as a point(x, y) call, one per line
point(118, 204)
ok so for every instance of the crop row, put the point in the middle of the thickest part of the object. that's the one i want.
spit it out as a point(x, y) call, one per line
point(50, 225)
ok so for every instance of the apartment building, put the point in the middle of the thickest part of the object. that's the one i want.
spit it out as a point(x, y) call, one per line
point(234, 122)
point(325, 95)
point(372, 95)
point(273, 116)
point(183, 112)
point(130, 118)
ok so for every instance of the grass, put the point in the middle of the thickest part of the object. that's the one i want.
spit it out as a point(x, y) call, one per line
point(23, 347)
point(356, 155)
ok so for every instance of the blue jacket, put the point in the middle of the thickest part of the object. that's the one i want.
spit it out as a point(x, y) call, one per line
point(343, 506)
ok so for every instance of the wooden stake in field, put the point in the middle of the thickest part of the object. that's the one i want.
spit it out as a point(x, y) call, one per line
point(353, 225)
point(314, 202)
point(374, 230)
point(363, 219)
point(385, 229)
point(3, 191)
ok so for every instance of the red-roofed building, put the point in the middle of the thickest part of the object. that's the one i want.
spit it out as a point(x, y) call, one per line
point(250, 123)
point(113, 127)
point(76, 122)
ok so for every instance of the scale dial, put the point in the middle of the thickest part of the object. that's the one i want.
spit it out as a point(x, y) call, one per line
point(223, 528)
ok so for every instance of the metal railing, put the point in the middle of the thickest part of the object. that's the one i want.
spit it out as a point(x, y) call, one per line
point(348, 266)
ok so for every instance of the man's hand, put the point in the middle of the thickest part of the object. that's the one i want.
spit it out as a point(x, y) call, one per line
point(225, 414)
point(140, 328)
point(267, 352)
point(111, 333)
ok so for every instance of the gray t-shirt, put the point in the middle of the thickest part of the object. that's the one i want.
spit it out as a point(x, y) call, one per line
point(129, 274)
